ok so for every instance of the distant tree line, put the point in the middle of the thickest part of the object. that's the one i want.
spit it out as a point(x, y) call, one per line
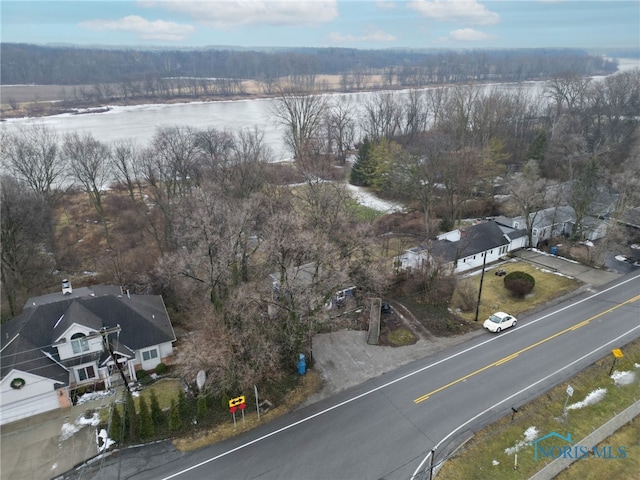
point(44, 65)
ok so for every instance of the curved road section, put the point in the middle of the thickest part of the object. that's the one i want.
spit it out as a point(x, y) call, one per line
point(391, 427)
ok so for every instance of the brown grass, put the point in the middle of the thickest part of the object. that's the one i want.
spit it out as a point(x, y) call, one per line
point(309, 385)
point(40, 100)
point(549, 286)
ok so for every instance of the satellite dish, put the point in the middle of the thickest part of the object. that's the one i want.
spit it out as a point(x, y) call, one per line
point(200, 379)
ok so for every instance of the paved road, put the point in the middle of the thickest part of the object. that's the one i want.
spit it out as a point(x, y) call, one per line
point(343, 358)
point(386, 427)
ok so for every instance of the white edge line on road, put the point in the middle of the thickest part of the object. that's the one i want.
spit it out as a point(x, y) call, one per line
point(404, 377)
point(420, 467)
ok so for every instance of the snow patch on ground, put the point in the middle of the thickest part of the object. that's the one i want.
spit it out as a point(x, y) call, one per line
point(549, 255)
point(623, 378)
point(88, 397)
point(368, 199)
point(545, 270)
point(621, 258)
point(591, 399)
point(103, 440)
point(495, 462)
point(69, 429)
point(530, 434)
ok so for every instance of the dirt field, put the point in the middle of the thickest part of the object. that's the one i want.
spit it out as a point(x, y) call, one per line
point(40, 100)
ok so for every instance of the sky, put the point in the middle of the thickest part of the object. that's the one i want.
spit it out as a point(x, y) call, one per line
point(363, 24)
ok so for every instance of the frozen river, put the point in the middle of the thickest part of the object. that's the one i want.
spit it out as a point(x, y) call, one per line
point(140, 122)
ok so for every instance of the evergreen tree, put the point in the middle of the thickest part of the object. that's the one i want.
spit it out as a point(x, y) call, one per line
point(133, 421)
point(157, 415)
point(183, 407)
point(382, 158)
point(116, 428)
point(147, 429)
point(202, 407)
point(362, 167)
point(175, 422)
point(538, 146)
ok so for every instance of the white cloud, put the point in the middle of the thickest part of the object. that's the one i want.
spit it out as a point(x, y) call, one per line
point(469, 35)
point(372, 34)
point(144, 29)
point(464, 11)
point(227, 14)
point(385, 5)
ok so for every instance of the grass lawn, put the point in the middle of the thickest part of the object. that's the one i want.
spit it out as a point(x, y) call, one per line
point(165, 389)
point(490, 455)
point(495, 297)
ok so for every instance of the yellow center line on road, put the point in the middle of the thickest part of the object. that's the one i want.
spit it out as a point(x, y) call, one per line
point(514, 355)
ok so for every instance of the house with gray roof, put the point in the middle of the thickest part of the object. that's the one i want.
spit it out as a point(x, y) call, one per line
point(463, 250)
point(65, 341)
point(555, 222)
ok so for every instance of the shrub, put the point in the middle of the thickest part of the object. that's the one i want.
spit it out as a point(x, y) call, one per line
point(161, 368)
point(157, 415)
point(519, 283)
point(202, 407)
point(467, 296)
point(147, 429)
point(142, 374)
point(175, 422)
point(116, 427)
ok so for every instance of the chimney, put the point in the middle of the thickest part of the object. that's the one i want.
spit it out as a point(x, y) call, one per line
point(66, 287)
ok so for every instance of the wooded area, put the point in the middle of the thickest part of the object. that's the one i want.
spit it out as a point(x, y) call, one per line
point(204, 217)
point(94, 76)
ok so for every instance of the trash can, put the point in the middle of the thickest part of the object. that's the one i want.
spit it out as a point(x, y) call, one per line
point(554, 250)
point(302, 364)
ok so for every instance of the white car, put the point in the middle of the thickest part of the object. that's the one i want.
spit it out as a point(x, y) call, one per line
point(499, 321)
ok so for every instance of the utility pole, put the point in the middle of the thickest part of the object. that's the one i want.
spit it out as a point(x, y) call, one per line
point(484, 264)
point(104, 332)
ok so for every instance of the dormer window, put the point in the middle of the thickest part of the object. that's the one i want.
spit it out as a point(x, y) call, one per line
point(79, 343)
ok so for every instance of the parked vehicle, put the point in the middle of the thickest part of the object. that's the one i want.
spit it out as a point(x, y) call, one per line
point(499, 321)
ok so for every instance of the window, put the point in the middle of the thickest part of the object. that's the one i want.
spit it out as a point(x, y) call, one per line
point(86, 373)
point(535, 232)
point(79, 343)
point(149, 354)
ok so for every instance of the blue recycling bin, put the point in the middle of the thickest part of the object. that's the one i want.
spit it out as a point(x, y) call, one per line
point(554, 250)
point(302, 365)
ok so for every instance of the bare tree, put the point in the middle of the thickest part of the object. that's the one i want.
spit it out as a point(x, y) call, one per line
point(341, 127)
point(437, 99)
point(125, 167)
point(301, 113)
point(382, 116)
point(89, 161)
point(416, 114)
point(529, 194)
point(32, 155)
point(459, 177)
point(25, 237)
point(170, 168)
point(457, 116)
point(568, 91)
point(584, 191)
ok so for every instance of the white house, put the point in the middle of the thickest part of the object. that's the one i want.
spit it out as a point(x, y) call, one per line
point(459, 251)
point(65, 341)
